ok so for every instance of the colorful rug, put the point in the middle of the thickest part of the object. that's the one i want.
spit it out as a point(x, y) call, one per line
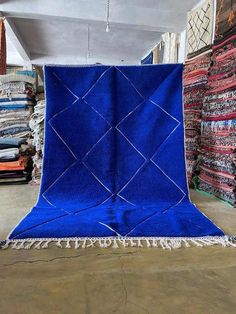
point(114, 166)
point(218, 124)
point(195, 82)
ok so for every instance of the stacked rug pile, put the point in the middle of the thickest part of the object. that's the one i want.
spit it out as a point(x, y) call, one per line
point(218, 168)
point(15, 163)
point(16, 103)
point(195, 82)
point(16, 107)
point(37, 127)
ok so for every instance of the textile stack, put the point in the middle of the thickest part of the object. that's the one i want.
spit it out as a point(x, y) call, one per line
point(16, 106)
point(217, 162)
point(195, 80)
point(37, 127)
point(16, 103)
point(200, 25)
point(15, 165)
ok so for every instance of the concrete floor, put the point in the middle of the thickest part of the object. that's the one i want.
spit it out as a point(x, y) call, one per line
point(55, 281)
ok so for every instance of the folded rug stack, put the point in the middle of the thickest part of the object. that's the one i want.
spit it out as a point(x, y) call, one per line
point(195, 82)
point(16, 103)
point(217, 168)
point(16, 106)
point(15, 164)
point(37, 126)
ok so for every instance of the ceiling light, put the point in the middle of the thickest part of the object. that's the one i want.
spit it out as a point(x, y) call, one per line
point(108, 15)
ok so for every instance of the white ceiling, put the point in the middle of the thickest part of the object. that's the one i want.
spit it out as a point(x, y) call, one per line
point(62, 31)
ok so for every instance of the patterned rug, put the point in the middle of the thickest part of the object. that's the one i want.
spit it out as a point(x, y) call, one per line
point(195, 82)
point(225, 19)
point(200, 29)
point(218, 137)
point(114, 166)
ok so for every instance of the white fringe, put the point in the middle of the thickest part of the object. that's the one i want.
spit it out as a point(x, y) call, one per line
point(119, 242)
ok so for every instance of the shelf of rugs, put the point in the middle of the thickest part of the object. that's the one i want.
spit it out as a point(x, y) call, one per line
point(210, 99)
point(16, 106)
point(195, 84)
point(218, 127)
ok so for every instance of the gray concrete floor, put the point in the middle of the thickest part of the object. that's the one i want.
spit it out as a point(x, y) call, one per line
point(131, 280)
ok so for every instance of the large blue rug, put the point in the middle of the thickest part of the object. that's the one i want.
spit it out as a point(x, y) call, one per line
point(114, 165)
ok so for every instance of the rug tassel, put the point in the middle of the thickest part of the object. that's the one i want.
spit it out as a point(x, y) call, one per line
point(115, 244)
point(140, 243)
point(77, 244)
point(196, 243)
point(84, 244)
point(186, 243)
point(104, 243)
point(133, 243)
point(166, 244)
point(28, 246)
point(154, 243)
point(108, 242)
point(21, 246)
point(45, 245)
point(162, 244)
point(38, 245)
point(175, 244)
point(148, 243)
point(68, 245)
point(92, 243)
point(58, 244)
point(14, 246)
point(123, 242)
point(100, 243)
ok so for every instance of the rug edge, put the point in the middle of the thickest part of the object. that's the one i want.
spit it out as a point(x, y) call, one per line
point(119, 242)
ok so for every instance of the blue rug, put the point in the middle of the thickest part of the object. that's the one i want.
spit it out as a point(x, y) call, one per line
point(148, 59)
point(114, 165)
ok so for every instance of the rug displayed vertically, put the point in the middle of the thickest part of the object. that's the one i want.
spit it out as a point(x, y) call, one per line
point(225, 19)
point(200, 28)
point(114, 166)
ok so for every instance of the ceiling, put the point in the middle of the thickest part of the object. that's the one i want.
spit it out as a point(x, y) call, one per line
point(73, 31)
